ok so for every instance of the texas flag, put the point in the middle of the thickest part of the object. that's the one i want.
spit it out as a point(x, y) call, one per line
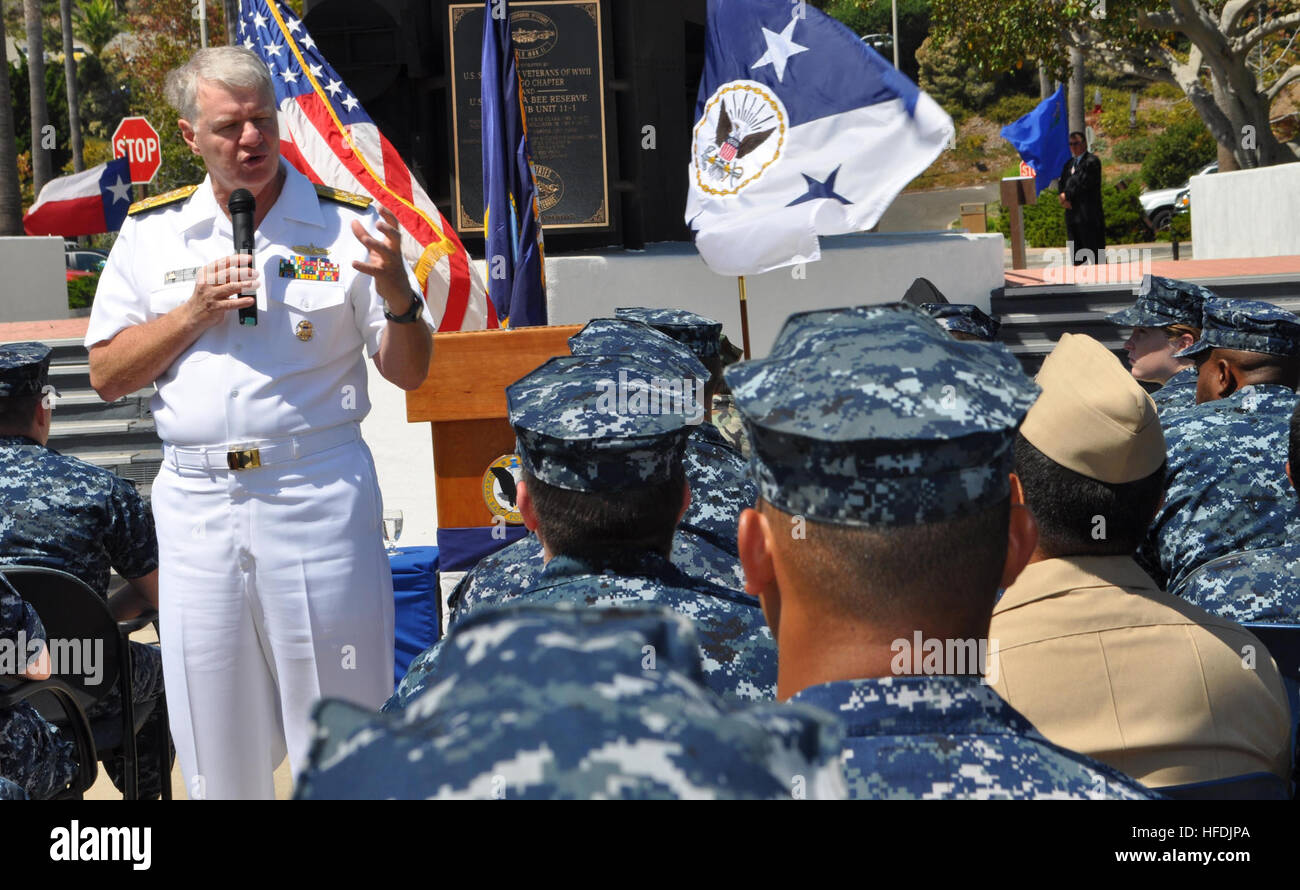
point(84, 203)
point(802, 130)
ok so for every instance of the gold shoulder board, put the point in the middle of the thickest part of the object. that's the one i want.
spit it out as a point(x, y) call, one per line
point(162, 200)
point(341, 197)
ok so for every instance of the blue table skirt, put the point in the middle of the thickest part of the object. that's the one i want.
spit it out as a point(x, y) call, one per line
point(417, 624)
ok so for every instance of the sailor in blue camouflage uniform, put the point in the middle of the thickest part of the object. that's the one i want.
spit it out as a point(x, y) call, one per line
point(886, 523)
point(35, 759)
point(1165, 318)
point(705, 543)
point(63, 513)
point(573, 703)
point(603, 488)
point(964, 321)
point(1254, 585)
point(1227, 489)
point(720, 483)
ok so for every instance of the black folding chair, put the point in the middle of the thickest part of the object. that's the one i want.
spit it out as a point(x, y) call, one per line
point(17, 689)
point(72, 611)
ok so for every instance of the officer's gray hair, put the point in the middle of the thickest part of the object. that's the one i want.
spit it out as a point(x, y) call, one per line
point(231, 66)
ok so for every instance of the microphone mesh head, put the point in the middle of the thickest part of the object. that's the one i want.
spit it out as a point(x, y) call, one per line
point(241, 201)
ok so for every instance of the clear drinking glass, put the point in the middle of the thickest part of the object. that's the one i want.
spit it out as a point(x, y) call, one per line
point(392, 529)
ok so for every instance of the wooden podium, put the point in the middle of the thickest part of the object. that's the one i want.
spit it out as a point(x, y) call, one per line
point(464, 398)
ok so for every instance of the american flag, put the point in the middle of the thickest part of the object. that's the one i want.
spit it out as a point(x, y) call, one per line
point(329, 138)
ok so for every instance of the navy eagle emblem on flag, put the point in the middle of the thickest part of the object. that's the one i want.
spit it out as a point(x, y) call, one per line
point(740, 135)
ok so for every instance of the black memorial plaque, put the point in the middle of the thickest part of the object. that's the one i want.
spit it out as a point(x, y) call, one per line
point(561, 63)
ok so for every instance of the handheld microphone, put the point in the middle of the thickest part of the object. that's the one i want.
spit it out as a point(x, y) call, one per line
point(241, 206)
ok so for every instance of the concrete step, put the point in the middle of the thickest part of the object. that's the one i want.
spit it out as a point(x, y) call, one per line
point(71, 374)
point(1033, 318)
point(86, 403)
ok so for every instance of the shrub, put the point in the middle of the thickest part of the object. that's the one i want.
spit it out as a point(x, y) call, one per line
point(1123, 212)
point(947, 80)
point(1132, 151)
point(1177, 153)
point(81, 291)
point(1010, 108)
point(1045, 221)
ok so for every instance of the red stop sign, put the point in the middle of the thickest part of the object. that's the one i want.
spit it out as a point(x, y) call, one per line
point(136, 140)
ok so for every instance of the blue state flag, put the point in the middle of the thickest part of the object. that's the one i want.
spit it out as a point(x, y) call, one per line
point(1043, 138)
point(801, 130)
point(512, 226)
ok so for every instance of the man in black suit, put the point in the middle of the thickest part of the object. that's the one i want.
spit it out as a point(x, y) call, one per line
point(1080, 183)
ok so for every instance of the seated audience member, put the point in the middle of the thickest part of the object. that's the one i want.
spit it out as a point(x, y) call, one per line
point(1226, 490)
point(725, 416)
point(1087, 646)
point(705, 543)
point(886, 523)
point(573, 702)
point(1166, 318)
point(603, 489)
point(1254, 585)
point(63, 513)
point(964, 321)
point(716, 470)
point(35, 759)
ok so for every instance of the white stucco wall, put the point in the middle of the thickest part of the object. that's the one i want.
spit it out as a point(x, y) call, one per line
point(34, 286)
point(1246, 213)
point(855, 269)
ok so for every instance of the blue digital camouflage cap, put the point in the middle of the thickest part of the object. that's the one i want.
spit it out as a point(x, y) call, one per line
point(616, 336)
point(703, 336)
point(964, 317)
point(603, 422)
point(23, 369)
point(1248, 325)
point(1162, 302)
point(529, 702)
point(874, 415)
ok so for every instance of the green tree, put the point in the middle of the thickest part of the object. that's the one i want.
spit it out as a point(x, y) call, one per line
point(950, 79)
point(1204, 47)
point(168, 35)
point(11, 201)
point(37, 110)
point(96, 23)
point(876, 17)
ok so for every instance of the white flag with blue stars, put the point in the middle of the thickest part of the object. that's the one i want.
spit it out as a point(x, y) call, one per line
point(801, 130)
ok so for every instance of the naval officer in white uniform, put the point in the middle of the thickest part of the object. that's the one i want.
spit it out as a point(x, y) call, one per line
point(273, 584)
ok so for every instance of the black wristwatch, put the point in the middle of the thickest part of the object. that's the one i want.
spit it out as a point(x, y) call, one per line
point(409, 315)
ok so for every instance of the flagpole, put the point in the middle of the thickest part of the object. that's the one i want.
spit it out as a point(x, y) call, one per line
point(744, 317)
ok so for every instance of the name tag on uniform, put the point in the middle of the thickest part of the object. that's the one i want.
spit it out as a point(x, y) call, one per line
point(309, 269)
point(178, 275)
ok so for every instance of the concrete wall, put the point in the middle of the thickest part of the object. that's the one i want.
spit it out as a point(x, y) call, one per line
point(854, 269)
point(1246, 213)
point(34, 286)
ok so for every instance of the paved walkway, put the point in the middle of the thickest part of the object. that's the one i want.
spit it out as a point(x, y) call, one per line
point(1140, 264)
point(62, 329)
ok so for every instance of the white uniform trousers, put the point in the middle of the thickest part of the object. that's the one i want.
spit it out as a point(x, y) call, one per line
point(274, 591)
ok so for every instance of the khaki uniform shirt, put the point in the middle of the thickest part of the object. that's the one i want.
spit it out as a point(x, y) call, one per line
point(1105, 663)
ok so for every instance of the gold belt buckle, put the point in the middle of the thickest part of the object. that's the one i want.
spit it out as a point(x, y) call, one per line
point(249, 459)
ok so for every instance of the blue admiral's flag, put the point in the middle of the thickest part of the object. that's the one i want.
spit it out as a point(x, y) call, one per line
point(1043, 138)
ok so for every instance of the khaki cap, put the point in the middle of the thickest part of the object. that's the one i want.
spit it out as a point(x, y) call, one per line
point(1093, 417)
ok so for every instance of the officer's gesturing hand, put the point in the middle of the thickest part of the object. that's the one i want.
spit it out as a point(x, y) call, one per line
point(384, 262)
point(217, 287)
